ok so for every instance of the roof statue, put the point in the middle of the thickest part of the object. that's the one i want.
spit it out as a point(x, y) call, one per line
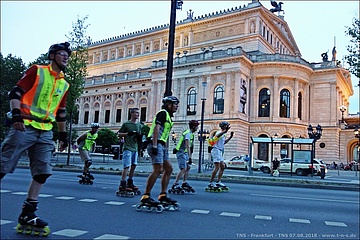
point(277, 6)
point(325, 57)
point(334, 54)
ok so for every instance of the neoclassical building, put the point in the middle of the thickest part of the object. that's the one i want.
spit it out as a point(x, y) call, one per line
point(245, 65)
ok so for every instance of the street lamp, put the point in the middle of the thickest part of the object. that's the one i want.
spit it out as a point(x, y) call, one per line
point(342, 109)
point(316, 135)
point(203, 99)
point(175, 4)
point(357, 135)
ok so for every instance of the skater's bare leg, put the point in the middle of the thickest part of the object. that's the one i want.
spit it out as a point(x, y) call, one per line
point(214, 172)
point(186, 173)
point(166, 175)
point(222, 167)
point(124, 173)
point(179, 175)
point(132, 170)
point(152, 177)
point(34, 190)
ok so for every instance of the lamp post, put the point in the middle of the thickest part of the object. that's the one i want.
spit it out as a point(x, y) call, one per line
point(316, 135)
point(357, 135)
point(175, 4)
point(203, 99)
point(342, 109)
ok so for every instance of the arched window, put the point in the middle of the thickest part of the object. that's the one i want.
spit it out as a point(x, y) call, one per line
point(300, 105)
point(191, 101)
point(263, 149)
point(219, 99)
point(264, 103)
point(284, 103)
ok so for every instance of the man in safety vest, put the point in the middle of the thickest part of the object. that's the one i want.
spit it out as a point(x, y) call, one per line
point(158, 150)
point(85, 143)
point(183, 152)
point(37, 100)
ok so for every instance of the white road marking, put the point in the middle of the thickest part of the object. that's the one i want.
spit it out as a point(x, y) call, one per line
point(115, 203)
point(4, 191)
point(200, 211)
point(301, 198)
point(337, 224)
point(111, 236)
point(88, 200)
point(229, 214)
point(297, 220)
point(45, 195)
point(3, 222)
point(65, 198)
point(263, 217)
point(20, 193)
point(70, 233)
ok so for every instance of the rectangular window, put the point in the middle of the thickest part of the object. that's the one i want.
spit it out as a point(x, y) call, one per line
point(96, 117)
point(107, 116)
point(118, 115)
point(86, 117)
point(143, 114)
point(129, 115)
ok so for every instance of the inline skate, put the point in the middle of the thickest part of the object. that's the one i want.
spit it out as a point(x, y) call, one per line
point(86, 178)
point(212, 187)
point(149, 204)
point(168, 203)
point(124, 191)
point(135, 189)
point(187, 188)
point(176, 189)
point(29, 222)
point(222, 186)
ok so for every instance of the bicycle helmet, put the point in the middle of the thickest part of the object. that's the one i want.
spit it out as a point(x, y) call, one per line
point(95, 125)
point(59, 46)
point(193, 123)
point(224, 124)
point(171, 99)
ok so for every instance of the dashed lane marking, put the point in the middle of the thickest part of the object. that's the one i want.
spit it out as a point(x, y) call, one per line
point(45, 195)
point(298, 220)
point(111, 236)
point(337, 224)
point(115, 203)
point(229, 214)
point(4, 191)
point(3, 222)
point(65, 198)
point(19, 193)
point(200, 211)
point(70, 233)
point(88, 200)
point(263, 217)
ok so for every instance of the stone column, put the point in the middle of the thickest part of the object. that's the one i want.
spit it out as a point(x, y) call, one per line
point(133, 49)
point(295, 105)
point(125, 51)
point(275, 99)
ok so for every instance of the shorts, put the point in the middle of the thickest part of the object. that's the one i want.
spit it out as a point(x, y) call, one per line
point(129, 158)
point(163, 154)
point(84, 155)
point(39, 145)
point(182, 158)
point(217, 155)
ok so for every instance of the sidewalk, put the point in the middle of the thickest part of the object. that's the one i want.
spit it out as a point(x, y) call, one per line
point(334, 179)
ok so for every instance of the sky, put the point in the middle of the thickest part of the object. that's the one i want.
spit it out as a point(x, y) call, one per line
point(28, 28)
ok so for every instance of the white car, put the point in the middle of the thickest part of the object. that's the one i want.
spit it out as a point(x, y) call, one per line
point(238, 162)
point(319, 163)
point(301, 169)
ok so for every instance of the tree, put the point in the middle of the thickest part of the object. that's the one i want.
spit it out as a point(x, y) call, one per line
point(42, 60)
point(353, 59)
point(11, 70)
point(106, 138)
point(76, 70)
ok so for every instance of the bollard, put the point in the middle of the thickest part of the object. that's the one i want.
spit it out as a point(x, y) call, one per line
point(322, 172)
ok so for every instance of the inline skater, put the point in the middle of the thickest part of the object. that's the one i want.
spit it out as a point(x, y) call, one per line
point(36, 102)
point(183, 152)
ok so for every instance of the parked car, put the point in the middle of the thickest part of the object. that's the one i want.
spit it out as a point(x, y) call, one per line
point(238, 162)
point(319, 163)
point(300, 169)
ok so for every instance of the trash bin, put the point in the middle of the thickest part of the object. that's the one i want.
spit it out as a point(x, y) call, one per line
point(322, 173)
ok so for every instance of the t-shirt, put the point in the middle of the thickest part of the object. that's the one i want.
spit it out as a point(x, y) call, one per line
point(131, 142)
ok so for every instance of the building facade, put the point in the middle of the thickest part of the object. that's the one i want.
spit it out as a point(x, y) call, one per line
point(243, 62)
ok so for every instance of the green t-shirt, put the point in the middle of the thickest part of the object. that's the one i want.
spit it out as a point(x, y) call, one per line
point(131, 142)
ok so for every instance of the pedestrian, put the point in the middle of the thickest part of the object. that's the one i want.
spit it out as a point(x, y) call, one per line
point(131, 132)
point(183, 152)
point(86, 144)
point(275, 166)
point(158, 150)
point(37, 101)
point(217, 154)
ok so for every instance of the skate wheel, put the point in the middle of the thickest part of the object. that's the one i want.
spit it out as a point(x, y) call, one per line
point(46, 231)
point(192, 190)
point(159, 209)
point(182, 192)
point(138, 192)
point(170, 191)
point(117, 193)
point(131, 194)
point(91, 182)
point(138, 207)
point(149, 209)
point(80, 181)
point(177, 207)
point(19, 228)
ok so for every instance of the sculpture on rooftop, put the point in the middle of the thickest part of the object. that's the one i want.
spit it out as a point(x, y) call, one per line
point(325, 57)
point(277, 6)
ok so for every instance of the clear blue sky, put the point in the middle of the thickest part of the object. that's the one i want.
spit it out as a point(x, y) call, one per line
point(314, 24)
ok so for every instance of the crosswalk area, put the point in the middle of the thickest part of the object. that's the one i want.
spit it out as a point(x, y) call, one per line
point(77, 233)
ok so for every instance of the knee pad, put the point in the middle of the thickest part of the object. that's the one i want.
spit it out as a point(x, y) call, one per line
point(88, 163)
point(41, 178)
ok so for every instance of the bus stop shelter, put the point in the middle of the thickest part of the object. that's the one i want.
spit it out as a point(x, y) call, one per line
point(305, 156)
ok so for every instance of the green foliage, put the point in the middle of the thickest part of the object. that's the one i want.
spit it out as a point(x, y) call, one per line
point(353, 59)
point(42, 60)
point(106, 138)
point(11, 70)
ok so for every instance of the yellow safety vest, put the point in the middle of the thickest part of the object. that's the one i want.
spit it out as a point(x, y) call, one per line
point(164, 130)
point(89, 141)
point(40, 104)
point(181, 141)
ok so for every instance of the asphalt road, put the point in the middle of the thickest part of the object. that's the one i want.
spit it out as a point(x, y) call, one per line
point(248, 211)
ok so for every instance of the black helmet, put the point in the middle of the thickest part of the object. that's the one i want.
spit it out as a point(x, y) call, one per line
point(224, 124)
point(171, 99)
point(95, 125)
point(193, 123)
point(59, 46)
